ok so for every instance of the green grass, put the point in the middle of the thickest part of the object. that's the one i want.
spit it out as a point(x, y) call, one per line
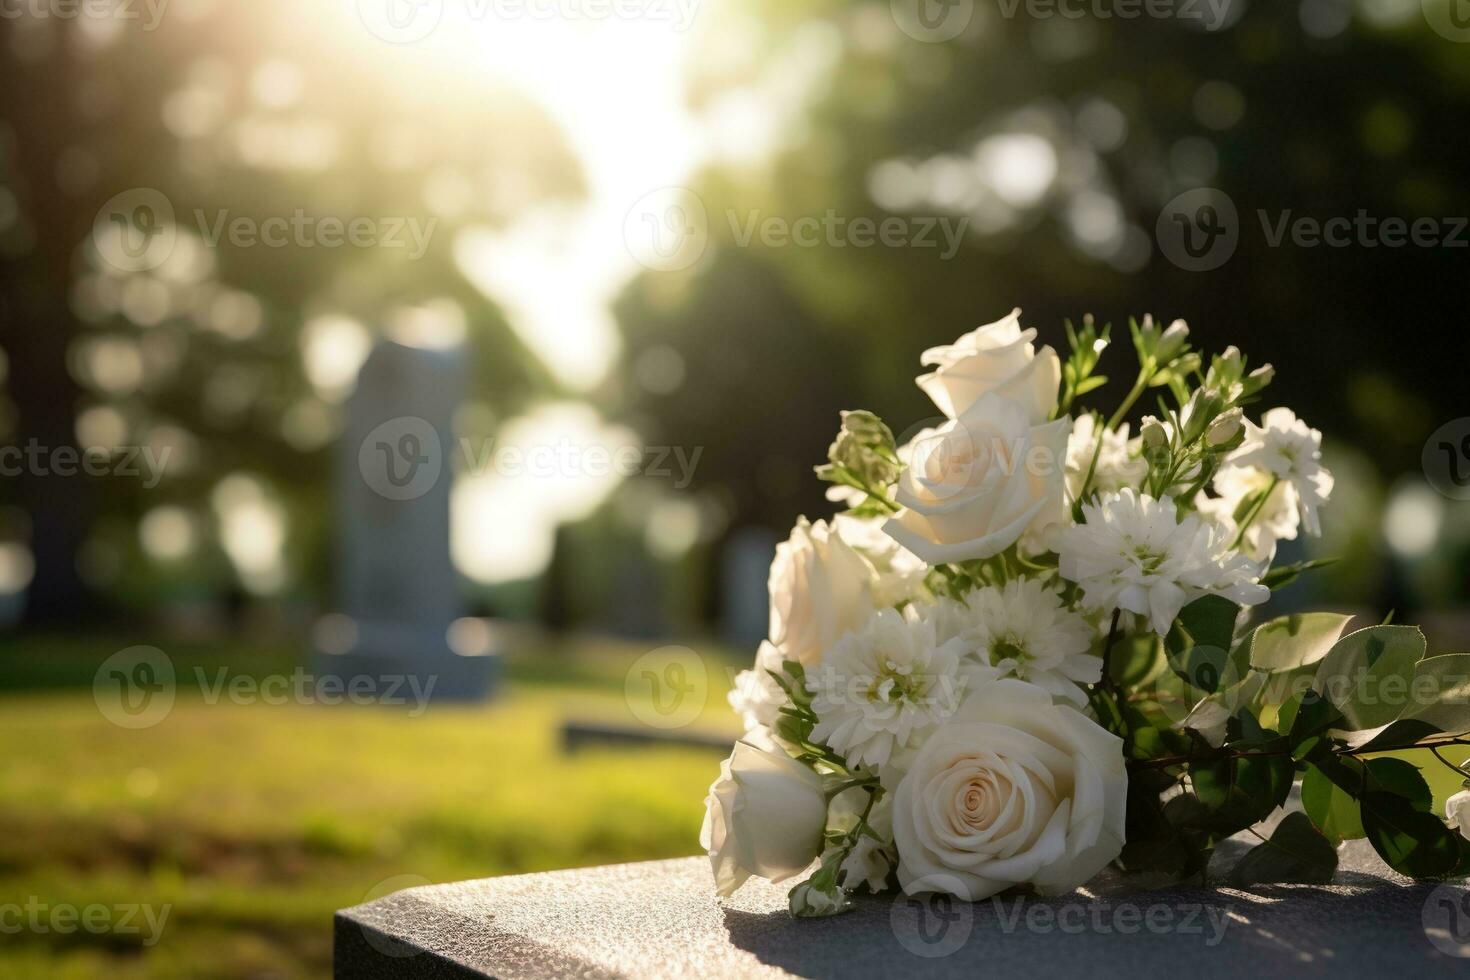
point(253, 823)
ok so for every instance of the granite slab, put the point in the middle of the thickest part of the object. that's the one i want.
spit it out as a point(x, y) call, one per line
point(661, 919)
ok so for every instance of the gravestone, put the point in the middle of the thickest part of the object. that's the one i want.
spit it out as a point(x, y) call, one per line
point(398, 591)
point(745, 565)
point(661, 918)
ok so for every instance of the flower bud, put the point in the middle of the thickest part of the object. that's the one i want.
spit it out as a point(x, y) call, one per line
point(1224, 429)
point(1171, 343)
point(1155, 436)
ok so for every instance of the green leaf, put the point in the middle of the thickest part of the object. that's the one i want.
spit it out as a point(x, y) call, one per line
point(1313, 715)
point(1332, 810)
point(1440, 692)
point(1295, 641)
point(1199, 642)
point(1295, 852)
point(1400, 778)
point(1367, 674)
point(1410, 841)
point(1242, 790)
point(1401, 734)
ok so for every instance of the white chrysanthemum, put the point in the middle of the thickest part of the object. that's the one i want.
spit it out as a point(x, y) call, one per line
point(756, 696)
point(1286, 447)
point(881, 687)
point(1119, 463)
point(1134, 553)
point(1024, 630)
point(1277, 519)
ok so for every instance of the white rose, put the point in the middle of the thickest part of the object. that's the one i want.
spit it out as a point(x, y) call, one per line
point(979, 481)
point(1457, 812)
point(1012, 790)
point(820, 589)
point(764, 816)
point(997, 358)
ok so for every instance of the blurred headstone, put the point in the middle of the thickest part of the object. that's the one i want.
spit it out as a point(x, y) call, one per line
point(745, 565)
point(398, 592)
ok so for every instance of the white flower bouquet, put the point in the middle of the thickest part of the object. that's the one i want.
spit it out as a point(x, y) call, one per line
point(1024, 650)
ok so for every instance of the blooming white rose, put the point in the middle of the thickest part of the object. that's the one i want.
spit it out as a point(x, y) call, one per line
point(820, 589)
point(997, 358)
point(979, 482)
point(1457, 812)
point(764, 816)
point(1012, 790)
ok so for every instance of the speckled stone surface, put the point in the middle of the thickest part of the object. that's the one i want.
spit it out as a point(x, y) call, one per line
point(661, 919)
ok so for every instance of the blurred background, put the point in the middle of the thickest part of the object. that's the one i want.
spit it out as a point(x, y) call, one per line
point(626, 260)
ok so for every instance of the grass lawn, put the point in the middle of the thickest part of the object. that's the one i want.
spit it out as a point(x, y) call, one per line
point(249, 824)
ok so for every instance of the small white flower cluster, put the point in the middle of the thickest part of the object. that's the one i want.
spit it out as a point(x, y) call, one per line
point(934, 651)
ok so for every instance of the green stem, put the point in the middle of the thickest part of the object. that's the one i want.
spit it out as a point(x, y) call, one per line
point(1255, 512)
point(1144, 376)
point(1180, 760)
